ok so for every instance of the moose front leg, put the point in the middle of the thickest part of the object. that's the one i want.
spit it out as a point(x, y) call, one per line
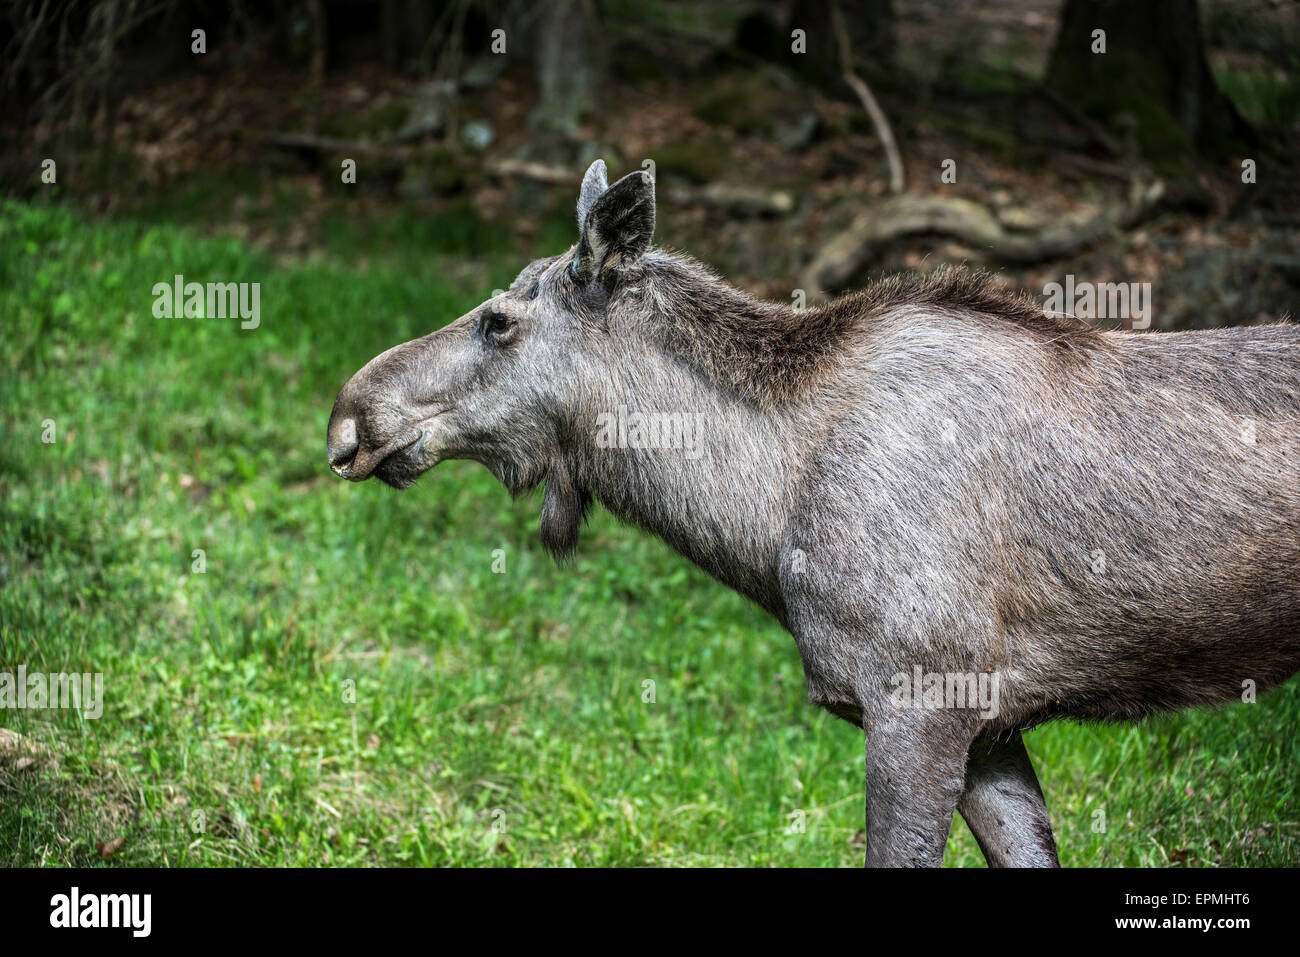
point(916, 762)
point(1003, 805)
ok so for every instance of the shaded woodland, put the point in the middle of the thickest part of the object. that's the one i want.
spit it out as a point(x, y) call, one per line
point(797, 145)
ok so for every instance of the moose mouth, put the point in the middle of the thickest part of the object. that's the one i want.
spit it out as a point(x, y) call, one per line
point(362, 464)
point(400, 462)
point(401, 467)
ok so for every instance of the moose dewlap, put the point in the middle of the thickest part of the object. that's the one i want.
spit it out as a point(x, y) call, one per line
point(947, 496)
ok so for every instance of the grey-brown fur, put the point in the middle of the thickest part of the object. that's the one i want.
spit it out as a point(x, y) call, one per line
point(920, 474)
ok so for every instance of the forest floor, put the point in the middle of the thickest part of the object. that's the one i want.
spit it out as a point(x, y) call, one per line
point(198, 149)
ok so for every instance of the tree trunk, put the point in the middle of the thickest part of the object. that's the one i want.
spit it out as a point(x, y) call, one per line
point(568, 64)
point(1152, 83)
point(873, 36)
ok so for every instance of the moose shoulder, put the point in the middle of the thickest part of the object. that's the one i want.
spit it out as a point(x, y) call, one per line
point(972, 516)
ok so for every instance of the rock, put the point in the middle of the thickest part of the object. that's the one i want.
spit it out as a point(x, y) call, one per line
point(483, 72)
point(798, 132)
point(429, 106)
point(478, 134)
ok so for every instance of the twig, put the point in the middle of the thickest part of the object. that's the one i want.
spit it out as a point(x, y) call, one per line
point(859, 86)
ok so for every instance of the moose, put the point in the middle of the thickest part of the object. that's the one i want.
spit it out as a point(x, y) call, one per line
point(928, 477)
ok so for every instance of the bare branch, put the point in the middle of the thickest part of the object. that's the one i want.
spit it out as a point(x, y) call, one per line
point(859, 86)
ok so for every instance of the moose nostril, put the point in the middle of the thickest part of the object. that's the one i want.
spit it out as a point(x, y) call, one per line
point(342, 445)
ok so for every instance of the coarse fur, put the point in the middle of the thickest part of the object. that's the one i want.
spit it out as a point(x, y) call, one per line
point(928, 475)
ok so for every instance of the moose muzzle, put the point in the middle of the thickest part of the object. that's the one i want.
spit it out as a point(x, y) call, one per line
point(388, 420)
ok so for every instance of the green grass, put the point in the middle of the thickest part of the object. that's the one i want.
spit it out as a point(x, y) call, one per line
point(498, 718)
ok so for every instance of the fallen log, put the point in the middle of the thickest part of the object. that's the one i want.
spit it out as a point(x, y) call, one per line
point(969, 223)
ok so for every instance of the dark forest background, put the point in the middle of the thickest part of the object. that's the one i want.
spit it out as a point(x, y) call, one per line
point(1126, 164)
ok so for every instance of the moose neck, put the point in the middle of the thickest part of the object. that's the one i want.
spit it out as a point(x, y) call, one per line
point(708, 470)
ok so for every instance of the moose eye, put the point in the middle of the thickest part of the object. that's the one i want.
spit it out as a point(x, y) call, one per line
point(496, 324)
point(533, 290)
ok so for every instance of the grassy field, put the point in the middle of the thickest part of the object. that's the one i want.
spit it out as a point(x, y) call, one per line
point(350, 682)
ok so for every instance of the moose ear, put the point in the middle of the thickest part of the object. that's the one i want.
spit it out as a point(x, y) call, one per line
point(618, 227)
point(594, 185)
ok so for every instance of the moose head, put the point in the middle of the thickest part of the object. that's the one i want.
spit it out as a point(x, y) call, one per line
point(510, 384)
point(523, 382)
